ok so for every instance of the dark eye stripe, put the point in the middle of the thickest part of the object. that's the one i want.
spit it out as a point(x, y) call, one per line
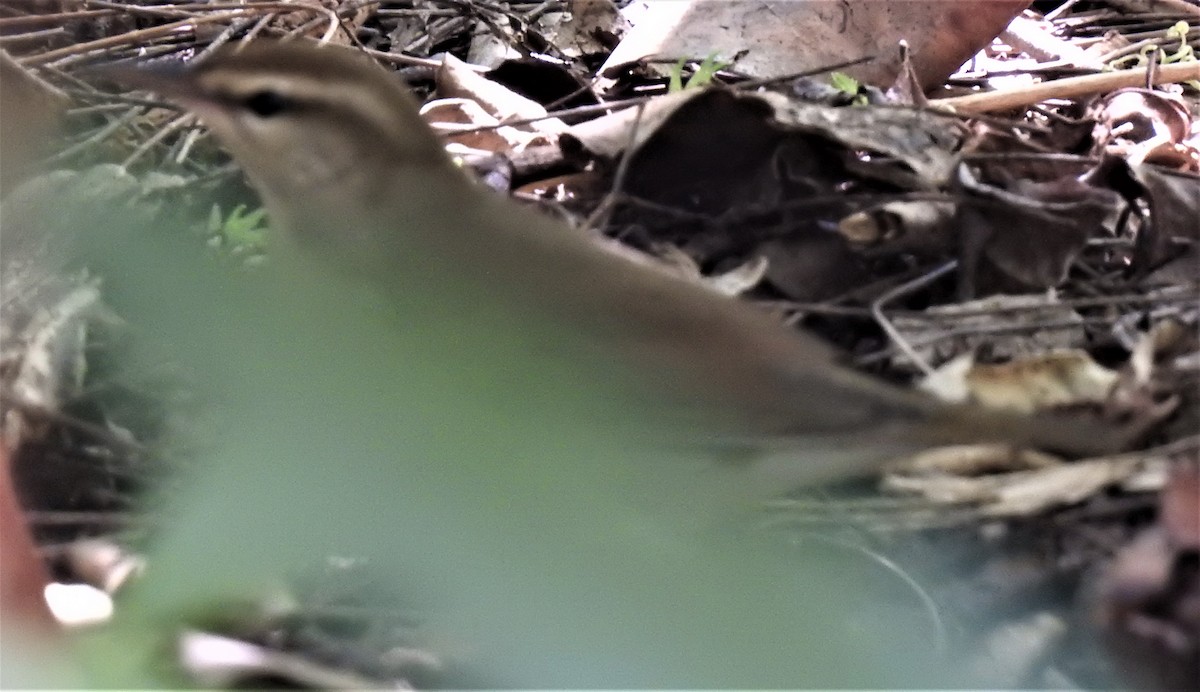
point(266, 103)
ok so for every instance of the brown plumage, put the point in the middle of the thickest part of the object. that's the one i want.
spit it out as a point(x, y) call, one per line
point(357, 180)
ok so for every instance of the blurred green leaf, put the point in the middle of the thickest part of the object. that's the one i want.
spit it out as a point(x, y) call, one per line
point(844, 83)
point(239, 229)
point(534, 506)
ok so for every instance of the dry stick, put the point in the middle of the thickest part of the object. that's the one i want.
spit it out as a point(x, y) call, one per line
point(36, 19)
point(344, 9)
point(335, 23)
point(222, 38)
point(412, 61)
point(602, 213)
point(233, 11)
point(184, 147)
point(188, 11)
point(96, 137)
point(129, 37)
point(176, 123)
point(907, 287)
point(772, 81)
point(1099, 301)
point(833, 308)
point(565, 113)
point(586, 88)
point(39, 35)
point(259, 24)
point(1132, 48)
point(1158, 35)
point(1066, 88)
point(973, 330)
point(304, 28)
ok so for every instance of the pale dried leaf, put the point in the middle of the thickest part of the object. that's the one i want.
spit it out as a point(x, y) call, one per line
point(456, 80)
point(459, 121)
point(1032, 492)
point(1062, 378)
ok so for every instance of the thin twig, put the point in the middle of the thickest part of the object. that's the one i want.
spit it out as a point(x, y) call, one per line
point(904, 289)
point(600, 215)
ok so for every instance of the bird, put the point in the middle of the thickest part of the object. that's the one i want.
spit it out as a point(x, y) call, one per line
point(575, 430)
point(355, 179)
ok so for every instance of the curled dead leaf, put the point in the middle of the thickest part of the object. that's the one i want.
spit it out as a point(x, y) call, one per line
point(1063, 378)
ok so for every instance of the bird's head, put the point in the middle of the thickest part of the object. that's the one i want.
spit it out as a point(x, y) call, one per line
point(323, 133)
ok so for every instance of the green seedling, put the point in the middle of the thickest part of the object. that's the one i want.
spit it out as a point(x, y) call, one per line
point(703, 76)
point(1184, 53)
point(239, 230)
point(849, 86)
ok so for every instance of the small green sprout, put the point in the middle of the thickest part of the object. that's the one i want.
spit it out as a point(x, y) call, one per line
point(239, 230)
point(703, 76)
point(1184, 53)
point(849, 86)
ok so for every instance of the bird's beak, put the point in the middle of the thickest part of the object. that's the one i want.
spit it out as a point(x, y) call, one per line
point(175, 81)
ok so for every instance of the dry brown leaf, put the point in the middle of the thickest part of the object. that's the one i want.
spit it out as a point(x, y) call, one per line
point(781, 37)
point(1063, 378)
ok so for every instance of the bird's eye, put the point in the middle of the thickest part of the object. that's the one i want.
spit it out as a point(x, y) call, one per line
point(265, 103)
